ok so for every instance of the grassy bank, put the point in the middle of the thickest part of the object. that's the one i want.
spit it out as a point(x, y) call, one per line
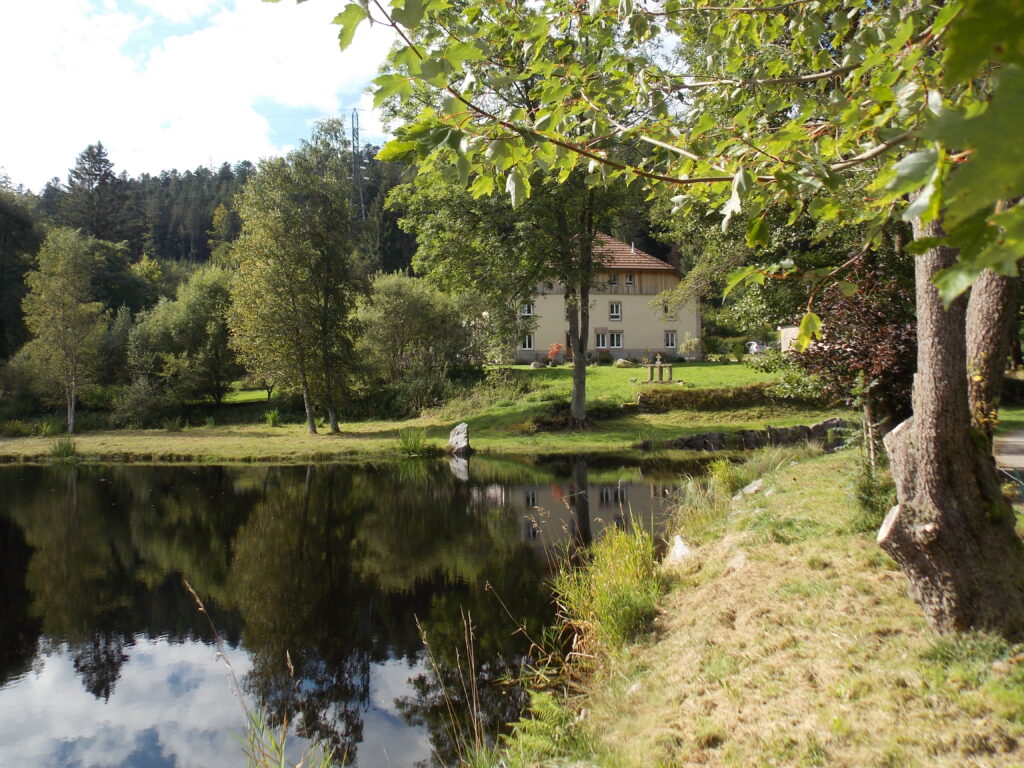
point(787, 639)
point(503, 419)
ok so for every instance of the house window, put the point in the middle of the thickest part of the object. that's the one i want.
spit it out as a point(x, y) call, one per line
point(630, 280)
point(615, 340)
point(615, 311)
point(670, 339)
point(527, 310)
point(600, 340)
point(528, 341)
point(531, 499)
point(613, 279)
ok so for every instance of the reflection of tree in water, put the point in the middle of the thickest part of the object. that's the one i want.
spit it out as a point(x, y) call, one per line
point(328, 564)
point(95, 574)
point(335, 563)
point(98, 660)
point(18, 630)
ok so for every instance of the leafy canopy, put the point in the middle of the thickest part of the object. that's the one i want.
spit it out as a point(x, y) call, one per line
point(735, 104)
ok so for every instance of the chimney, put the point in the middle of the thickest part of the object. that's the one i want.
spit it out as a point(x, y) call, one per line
point(632, 247)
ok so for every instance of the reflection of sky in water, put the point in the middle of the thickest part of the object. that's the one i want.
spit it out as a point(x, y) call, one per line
point(172, 707)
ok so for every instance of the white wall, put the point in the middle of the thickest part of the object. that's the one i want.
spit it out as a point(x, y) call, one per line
point(642, 326)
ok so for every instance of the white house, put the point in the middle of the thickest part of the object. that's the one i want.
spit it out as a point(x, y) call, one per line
point(626, 318)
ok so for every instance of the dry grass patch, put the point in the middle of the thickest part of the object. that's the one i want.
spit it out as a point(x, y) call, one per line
point(787, 642)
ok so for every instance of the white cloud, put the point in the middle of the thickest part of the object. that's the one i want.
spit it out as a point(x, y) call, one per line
point(179, 10)
point(193, 100)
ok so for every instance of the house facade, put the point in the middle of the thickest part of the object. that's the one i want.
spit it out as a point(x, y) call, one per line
point(626, 319)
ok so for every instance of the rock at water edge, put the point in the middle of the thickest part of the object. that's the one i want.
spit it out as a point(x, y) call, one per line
point(679, 551)
point(458, 440)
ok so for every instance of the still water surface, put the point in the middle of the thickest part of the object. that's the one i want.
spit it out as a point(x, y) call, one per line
point(105, 660)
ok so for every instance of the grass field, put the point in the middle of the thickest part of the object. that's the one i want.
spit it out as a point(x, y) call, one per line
point(788, 639)
point(500, 416)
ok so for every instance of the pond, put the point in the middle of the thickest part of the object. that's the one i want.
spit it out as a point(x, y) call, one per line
point(321, 582)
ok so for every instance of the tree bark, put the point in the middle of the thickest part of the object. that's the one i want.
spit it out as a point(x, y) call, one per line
point(951, 531)
point(991, 315)
point(307, 404)
point(579, 329)
point(71, 397)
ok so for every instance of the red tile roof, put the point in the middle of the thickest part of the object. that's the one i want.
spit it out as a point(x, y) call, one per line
point(615, 254)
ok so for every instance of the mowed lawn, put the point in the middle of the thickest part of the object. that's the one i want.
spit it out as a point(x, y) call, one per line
point(501, 421)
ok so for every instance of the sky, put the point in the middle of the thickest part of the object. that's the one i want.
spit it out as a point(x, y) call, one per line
point(173, 83)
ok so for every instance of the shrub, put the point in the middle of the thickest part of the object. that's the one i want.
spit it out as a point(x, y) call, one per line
point(50, 425)
point(769, 361)
point(604, 357)
point(15, 428)
point(171, 424)
point(272, 418)
point(555, 353)
point(143, 404)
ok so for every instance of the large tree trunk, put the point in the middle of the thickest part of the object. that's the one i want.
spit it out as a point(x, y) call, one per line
point(991, 316)
point(579, 328)
point(951, 531)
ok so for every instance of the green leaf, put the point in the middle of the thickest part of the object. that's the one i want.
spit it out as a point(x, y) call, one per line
point(458, 52)
point(810, 328)
point(407, 13)
point(985, 29)
point(399, 151)
point(738, 276)
point(435, 72)
point(994, 169)
point(913, 171)
point(926, 205)
point(391, 85)
point(349, 19)
point(849, 289)
point(757, 232)
point(954, 280)
point(482, 186)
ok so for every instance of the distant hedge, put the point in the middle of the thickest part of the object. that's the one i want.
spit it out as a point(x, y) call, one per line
point(719, 399)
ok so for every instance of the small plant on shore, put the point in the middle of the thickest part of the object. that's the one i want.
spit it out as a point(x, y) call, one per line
point(272, 418)
point(875, 492)
point(208, 422)
point(411, 440)
point(63, 448)
point(171, 424)
point(613, 597)
point(49, 426)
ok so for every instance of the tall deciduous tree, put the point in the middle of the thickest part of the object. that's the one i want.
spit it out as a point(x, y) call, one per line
point(505, 252)
point(66, 324)
point(776, 103)
point(295, 291)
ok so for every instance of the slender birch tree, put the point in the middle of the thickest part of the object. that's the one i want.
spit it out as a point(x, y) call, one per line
point(66, 324)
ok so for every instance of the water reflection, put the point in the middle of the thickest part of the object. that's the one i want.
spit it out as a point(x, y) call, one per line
point(316, 577)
